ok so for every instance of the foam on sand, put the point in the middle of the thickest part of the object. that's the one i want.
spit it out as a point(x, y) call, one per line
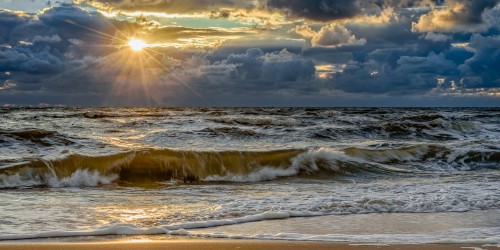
point(311, 227)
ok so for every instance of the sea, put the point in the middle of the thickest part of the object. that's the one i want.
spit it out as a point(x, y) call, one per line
point(357, 175)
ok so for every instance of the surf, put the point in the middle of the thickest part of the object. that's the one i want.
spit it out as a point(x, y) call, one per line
point(184, 166)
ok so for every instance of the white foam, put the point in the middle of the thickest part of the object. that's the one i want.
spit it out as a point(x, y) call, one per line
point(173, 229)
point(309, 162)
point(479, 236)
point(331, 159)
point(16, 180)
point(119, 229)
point(245, 219)
point(461, 126)
point(387, 238)
point(80, 178)
point(263, 174)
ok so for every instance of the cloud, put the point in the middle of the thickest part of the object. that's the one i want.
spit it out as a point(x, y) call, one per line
point(329, 36)
point(322, 51)
point(303, 30)
point(335, 35)
point(287, 67)
point(481, 70)
point(255, 66)
point(172, 6)
point(318, 10)
point(457, 15)
point(436, 37)
point(411, 75)
point(433, 64)
point(173, 33)
point(376, 11)
point(56, 51)
point(10, 22)
point(25, 60)
point(70, 21)
point(47, 39)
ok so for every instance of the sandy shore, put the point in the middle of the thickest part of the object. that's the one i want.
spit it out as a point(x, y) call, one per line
point(216, 244)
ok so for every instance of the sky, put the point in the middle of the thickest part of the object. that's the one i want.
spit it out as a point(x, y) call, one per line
point(250, 53)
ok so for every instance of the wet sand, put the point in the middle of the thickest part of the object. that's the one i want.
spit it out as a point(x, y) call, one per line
point(221, 244)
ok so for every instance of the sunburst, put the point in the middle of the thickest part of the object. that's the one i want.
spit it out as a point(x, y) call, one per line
point(137, 44)
point(136, 64)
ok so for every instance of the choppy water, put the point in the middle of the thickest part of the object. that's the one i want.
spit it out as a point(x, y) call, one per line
point(143, 171)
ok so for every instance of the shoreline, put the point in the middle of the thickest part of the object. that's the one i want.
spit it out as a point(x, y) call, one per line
point(178, 243)
point(350, 231)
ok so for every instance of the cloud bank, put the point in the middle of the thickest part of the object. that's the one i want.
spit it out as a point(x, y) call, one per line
point(266, 52)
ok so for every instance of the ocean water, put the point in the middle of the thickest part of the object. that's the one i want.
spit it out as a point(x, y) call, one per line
point(263, 173)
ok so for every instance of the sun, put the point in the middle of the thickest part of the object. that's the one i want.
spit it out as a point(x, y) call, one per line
point(137, 44)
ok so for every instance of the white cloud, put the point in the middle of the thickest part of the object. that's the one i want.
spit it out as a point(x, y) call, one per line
point(47, 39)
point(436, 37)
point(329, 36)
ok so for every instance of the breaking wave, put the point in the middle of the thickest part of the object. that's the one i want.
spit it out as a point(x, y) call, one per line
point(156, 165)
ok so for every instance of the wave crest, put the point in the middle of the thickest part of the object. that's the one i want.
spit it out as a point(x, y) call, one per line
point(153, 165)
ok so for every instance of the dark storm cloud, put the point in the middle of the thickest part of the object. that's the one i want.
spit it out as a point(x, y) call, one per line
point(10, 22)
point(385, 44)
point(241, 45)
point(329, 10)
point(251, 72)
point(280, 66)
point(29, 62)
point(60, 28)
point(482, 70)
point(70, 55)
point(71, 21)
point(410, 75)
point(320, 10)
point(397, 61)
point(54, 51)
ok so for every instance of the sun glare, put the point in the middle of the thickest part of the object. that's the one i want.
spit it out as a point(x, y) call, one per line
point(137, 44)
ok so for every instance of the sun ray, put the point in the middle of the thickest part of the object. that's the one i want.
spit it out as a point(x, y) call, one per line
point(137, 44)
point(94, 30)
point(173, 74)
point(133, 64)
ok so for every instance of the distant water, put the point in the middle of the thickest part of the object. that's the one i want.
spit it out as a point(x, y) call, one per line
point(98, 171)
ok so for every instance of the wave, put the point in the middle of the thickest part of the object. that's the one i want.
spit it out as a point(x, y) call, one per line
point(38, 136)
point(178, 229)
point(135, 113)
point(28, 134)
point(258, 122)
point(156, 165)
point(423, 117)
point(231, 131)
point(148, 165)
point(435, 129)
point(477, 235)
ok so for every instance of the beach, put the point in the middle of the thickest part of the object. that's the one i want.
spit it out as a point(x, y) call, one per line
point(237, 124)
point(249, 177)
point(209, 244)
